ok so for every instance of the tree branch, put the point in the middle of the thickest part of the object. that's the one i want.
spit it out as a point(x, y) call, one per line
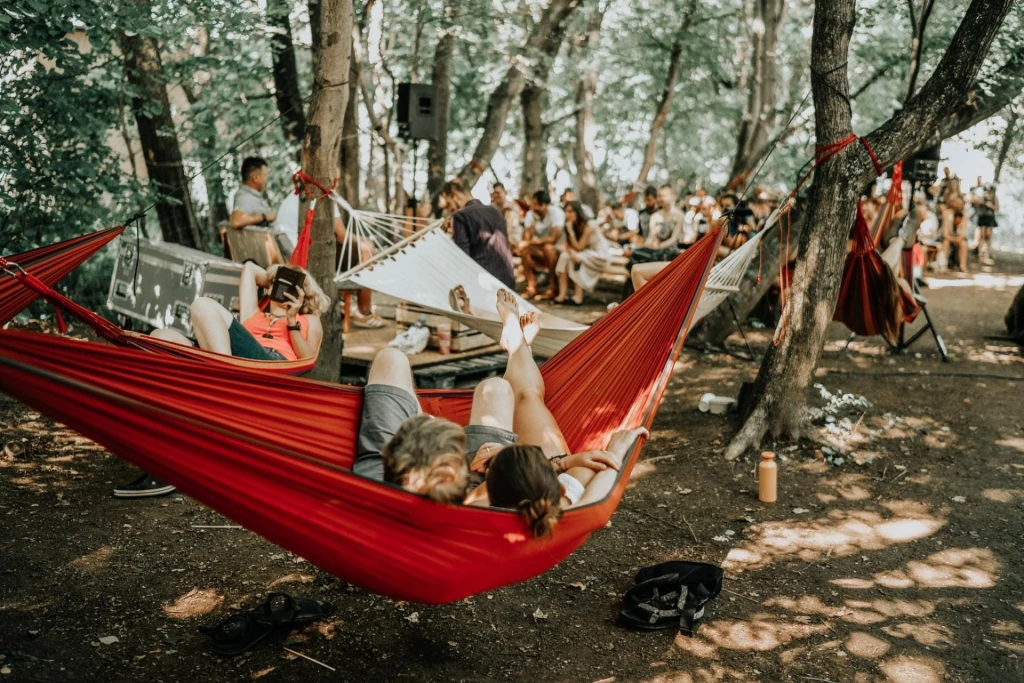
point(942, 96)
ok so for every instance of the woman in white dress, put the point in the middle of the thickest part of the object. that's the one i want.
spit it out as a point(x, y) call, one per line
point(584, 256)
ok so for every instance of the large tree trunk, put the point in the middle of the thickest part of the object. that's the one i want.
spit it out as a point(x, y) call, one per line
point(441, 77)
point(286, 73)
point(534, 170)
point(320, 154)
point(780, 390)
point(1007, 142)
point(586, 88)
point(759, 117)
point(675, 62)
point(549, 28)
point(159, 139)
point(350, 184)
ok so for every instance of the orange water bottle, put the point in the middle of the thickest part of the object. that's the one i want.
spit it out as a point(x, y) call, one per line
point(767, 478)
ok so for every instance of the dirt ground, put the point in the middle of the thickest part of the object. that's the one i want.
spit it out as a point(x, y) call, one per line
point(894, 552)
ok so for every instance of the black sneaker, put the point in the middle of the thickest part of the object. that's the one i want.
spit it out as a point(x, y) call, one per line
point(143, 487)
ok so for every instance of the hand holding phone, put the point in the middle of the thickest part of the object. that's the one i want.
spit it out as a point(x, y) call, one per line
point(287, 284)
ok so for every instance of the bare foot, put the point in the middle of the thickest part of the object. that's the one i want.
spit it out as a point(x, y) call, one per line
point(622, 441)
point(508, 311)
point(530, 323)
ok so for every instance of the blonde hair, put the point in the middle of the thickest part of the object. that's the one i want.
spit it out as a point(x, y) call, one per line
point(427, 455)
point(521, 478)
point(314, 301)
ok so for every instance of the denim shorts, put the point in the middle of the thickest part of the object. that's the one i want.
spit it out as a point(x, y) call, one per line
point(244, 345)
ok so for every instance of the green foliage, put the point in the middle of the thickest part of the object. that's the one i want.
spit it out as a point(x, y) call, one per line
point(66, 120)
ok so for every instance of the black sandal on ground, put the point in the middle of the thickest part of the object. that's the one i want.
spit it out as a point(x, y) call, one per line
point(281, 609)
point(671, 594)
point(236, 634)
point(655, 604)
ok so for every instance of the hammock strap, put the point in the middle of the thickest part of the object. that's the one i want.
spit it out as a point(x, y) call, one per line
point(100, 325)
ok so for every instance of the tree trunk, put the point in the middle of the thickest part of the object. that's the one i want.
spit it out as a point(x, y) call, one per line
point(534, 172)
point(441, 77)
point(780, 390)
point(320, 153)
point(159, 140)
point(286, 73)
point(1004, 147)
point(548, 29)
point(759, 118)
point(665, 100)
point(216, 198)
point(586, 88)
point(350, 184)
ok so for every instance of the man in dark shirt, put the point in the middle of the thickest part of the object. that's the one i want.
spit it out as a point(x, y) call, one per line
point(480, 231)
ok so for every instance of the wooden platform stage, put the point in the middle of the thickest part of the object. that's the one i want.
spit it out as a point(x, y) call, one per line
point(431, 369)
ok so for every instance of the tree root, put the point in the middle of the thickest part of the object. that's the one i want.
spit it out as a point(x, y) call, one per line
point(749, 436)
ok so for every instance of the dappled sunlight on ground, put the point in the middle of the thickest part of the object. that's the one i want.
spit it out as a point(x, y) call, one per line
point(1015, 442)
point(760, 633)
point(195, 603)
point(95, 561)
point(1004, 495)
point(904, 669)
point(714, 673)
point(980, 280)
point(840, 534)
point(950, 568)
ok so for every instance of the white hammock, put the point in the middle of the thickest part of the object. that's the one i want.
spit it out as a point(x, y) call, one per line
point(423, 267)
point(727, 275)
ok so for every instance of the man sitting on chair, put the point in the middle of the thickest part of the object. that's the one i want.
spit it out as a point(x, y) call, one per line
point(250, 206)
point(542, 238)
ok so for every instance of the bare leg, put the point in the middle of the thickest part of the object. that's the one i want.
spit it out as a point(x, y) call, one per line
point(391, 367)
point(551, 255)
point(563, 286)
point(532, 421)
point(577, 294)
point(211, 321)
point(643, 273)
point(526, 252)
point(961, 249)
point(493, 404)
point(172, 336)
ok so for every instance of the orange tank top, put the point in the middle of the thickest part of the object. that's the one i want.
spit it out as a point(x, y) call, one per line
point(275, 336)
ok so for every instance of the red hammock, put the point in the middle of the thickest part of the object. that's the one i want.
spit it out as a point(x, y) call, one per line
point(115, 335)
point(273, 452)
point(871, 300)
point(50, 264)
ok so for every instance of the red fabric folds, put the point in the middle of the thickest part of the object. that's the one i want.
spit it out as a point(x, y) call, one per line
point(50, 264)
point(272, 452)
point(871, 300)
point(300, 257)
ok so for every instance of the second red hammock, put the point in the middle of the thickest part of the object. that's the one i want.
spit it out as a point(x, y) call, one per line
point(871, 299)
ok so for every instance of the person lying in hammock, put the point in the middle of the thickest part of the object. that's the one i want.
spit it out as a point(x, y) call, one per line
point(518, 453)
point(288, 330)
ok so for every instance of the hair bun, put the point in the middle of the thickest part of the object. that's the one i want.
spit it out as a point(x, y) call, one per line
point(542, 515)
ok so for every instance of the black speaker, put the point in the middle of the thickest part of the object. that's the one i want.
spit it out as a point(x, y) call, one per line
point(417, 111)
point(924, 166)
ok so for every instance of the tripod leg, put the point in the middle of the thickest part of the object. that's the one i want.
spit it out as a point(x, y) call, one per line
point(739, 327)
point(935, 333)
